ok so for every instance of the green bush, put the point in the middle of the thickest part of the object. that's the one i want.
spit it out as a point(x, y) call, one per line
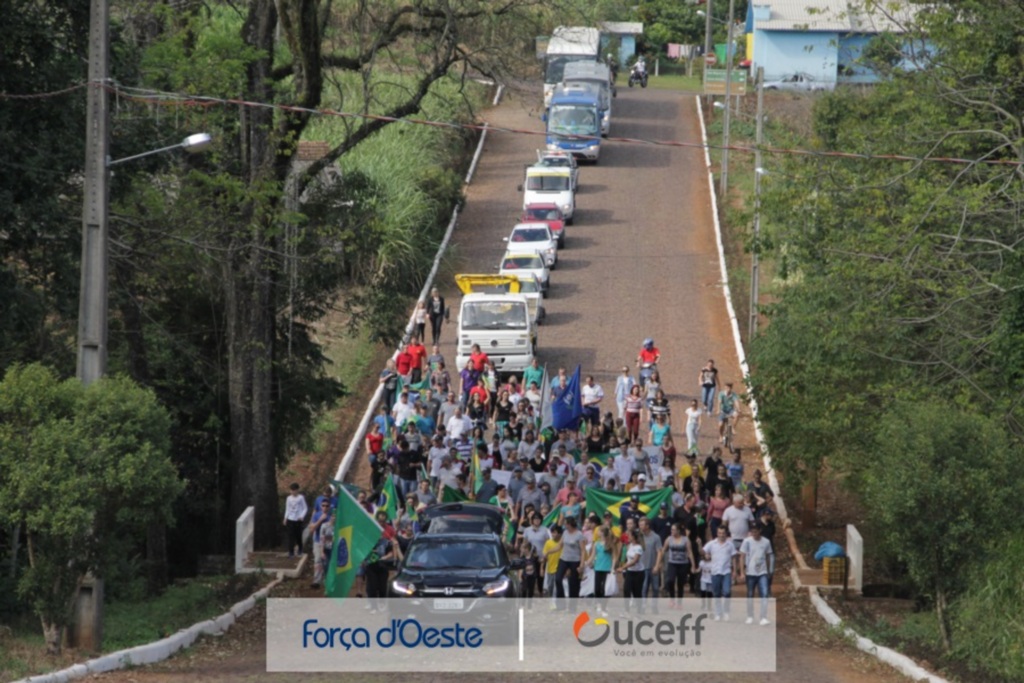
point(987, 622)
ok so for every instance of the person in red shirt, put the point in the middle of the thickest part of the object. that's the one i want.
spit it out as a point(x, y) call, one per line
point(646, 360)
point(479, 358)
point(480, 390)
point(419, 358)
point(404, 362)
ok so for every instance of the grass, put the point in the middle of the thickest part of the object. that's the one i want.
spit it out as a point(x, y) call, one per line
point(664, 82)
point(128, 623)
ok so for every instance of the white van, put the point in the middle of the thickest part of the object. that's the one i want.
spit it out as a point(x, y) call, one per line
point(550, 185)
point(502, 325)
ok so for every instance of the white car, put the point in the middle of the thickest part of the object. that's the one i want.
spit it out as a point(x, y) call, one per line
point(561, 159)
point(798, 82)
point(515, 263)
point(535, 237)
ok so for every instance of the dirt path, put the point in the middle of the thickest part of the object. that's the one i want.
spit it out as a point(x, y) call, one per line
point(640, 261)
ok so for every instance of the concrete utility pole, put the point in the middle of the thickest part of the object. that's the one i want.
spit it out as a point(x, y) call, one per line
point(707, 48)
point(87, 631)
point(92, 305)
point(728, 93)
point(755, 261)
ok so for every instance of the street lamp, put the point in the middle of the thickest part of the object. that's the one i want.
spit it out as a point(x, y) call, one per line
point(729, 52)
point(92, 304)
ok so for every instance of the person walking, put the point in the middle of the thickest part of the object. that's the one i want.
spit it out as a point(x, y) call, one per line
point(322, 518)
point(570, 561)
point(634, 405)
point(437, 312)
point(601, 555)
point(295, 511)
point(722, 553)
point(693, 414)
point(623, 386)
point(591, 396)
point(757, 563)
point(677, 557)
point(633, 571)
point(708, 379)
point(652, 554)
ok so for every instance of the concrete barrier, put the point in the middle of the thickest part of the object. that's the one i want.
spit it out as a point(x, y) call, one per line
point(902, 663)
point(157, 651)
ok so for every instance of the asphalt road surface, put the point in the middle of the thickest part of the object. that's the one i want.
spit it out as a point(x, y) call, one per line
point(640, 261)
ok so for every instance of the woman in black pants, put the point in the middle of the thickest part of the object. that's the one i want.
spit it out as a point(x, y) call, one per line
point(436, 313)
point(601, 554)
point(679, 554)
point(385, 555)
point(531, 572)
point(633, 571)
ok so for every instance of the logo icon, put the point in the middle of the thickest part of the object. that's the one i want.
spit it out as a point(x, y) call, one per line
point(581, 621)
point(448, 590)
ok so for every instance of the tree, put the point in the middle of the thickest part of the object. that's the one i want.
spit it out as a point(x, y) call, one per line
point(942, 478)
point(83, 471)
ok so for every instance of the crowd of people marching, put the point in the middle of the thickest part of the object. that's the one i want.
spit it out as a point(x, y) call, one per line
point(473, 437)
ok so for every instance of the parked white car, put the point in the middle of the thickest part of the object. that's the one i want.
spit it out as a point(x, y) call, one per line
point(515, 263)
point(799, 82)
point(535, 237)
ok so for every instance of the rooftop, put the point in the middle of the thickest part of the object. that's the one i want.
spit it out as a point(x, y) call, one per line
point(858, 16)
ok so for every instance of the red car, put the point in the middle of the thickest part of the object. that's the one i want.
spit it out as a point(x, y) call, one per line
point(549, 214)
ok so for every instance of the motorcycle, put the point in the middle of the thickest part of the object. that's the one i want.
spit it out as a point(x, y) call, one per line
point(646, 370)
point(638, 75)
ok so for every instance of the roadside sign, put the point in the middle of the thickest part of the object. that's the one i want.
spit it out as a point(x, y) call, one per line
point(714, 82)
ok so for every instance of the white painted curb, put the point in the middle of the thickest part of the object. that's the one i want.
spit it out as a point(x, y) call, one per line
point(900, 662)
point(159, 650)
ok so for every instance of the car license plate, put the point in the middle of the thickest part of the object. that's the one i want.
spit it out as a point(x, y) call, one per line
point(447, 603)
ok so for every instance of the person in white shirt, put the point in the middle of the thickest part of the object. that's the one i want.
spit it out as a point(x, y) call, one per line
point(722, 553)
point(591, 395)
point(295, 511)
point(458, 425)
point(435, 455)
point(402, 410)
point(623, 466)
point(757, 563)
point(693, 414)
point(623, 385)
point(528, 446)
point(739, 519)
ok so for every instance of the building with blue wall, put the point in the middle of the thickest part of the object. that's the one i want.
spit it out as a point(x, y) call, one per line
point(626, 32)
point(821, 38)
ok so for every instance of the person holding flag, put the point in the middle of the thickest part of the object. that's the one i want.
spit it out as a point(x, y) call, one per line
point(567, 408)
point(355, 534)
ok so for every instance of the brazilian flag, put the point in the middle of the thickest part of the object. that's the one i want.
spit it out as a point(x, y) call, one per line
point(599, 501)
point(355, 535)
point(388, 500)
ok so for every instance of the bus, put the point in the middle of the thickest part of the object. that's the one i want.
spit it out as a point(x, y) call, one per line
point(599, 75)
point(568, 44)
point(574, 120)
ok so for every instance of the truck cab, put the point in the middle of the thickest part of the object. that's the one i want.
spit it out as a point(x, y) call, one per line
point(526, 284)
point(503, 327)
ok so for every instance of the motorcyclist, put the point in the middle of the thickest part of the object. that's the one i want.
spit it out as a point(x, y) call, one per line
point(647, 360)
point(613, 66)
point(641, 66)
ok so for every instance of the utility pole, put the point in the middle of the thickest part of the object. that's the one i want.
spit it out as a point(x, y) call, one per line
point(755, 261)
point(707, 50)
point(87, 631)
point(728, 93)
point(92, 305)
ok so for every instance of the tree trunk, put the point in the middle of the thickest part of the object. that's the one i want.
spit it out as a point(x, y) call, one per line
point(156, 558)
point(942, 614)
point(53, 635)
point(248, 288)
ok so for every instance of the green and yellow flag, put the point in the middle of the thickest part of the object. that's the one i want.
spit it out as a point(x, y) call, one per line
point(552, 517)
point(478, 477)
point(598, 501)
point(510, 530)
point(355, 535)
point(388, 500)
point(450, 495)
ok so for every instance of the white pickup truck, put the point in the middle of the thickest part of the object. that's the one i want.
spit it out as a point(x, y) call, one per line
point(502, 325)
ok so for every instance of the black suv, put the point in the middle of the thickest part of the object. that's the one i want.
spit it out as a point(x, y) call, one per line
point(459, 572)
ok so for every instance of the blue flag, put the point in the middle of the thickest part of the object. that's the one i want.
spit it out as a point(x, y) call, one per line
point(567, 409)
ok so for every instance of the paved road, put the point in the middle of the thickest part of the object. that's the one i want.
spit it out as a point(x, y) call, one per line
point(640, 261)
